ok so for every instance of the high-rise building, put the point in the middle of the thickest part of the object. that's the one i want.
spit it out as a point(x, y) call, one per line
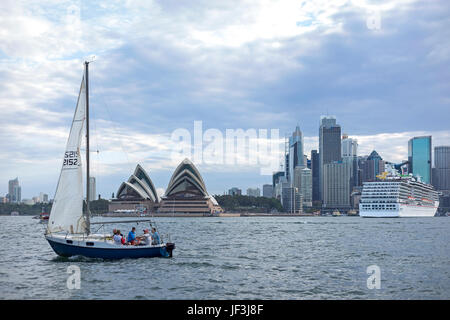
point(14, 191)
point(268, 191)
point(315, 168)
point(253, 192)
point(235, 192)
point(296, 156)
point(276, 177)
point(419, 157)
point(350, 155)
point(306, 187)
point(92, 189)
point(329, 145)
point(371, 166)
point(441, 170)
point(349, 147)
point(336, 185)
point(291, 199)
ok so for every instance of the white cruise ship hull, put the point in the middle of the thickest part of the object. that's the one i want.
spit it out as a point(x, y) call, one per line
point(404, 211)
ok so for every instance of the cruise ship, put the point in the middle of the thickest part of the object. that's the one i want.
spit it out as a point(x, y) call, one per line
point(395, 195)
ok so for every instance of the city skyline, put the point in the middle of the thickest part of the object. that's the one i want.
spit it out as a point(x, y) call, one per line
point(286, 64)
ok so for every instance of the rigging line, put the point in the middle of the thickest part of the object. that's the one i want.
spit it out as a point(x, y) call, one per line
point(116, 132)
point(96, 163)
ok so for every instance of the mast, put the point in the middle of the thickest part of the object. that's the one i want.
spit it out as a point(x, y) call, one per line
point(88, 221)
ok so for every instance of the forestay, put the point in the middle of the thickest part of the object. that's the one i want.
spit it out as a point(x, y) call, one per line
point(67, 208)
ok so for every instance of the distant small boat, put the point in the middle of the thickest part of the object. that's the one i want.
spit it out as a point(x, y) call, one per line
point(68, 229)
point(336, 213)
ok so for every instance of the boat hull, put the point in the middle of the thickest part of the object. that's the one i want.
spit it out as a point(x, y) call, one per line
point(105, 251)
point(405, 211)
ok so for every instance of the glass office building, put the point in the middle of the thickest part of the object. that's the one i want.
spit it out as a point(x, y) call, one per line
point(419, 157)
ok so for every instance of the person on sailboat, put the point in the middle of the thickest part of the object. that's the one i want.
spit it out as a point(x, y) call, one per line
point(145, 239)
point(117, 238)
point(155, 236)
point(131, 239)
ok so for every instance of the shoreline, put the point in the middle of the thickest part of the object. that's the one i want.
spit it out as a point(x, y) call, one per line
point(188, 215)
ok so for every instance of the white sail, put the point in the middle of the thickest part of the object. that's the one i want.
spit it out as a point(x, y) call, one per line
point(67, 209)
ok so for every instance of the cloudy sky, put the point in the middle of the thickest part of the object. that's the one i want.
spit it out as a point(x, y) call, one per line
point(381, 67)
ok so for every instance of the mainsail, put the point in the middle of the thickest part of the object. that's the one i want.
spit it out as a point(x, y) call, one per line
point(67, 209)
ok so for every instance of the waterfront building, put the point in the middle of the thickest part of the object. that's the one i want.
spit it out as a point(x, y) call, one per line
point(253, 192)
point(235, 192)
point(276, 177)
point(278, 189)
point(291, 199)
point(92, 189)
point(306, 187)
point(371, 166)
point(186, 193)
point(441, 170)
point(43, 197)
point(315, 168)
point(14, 191)
point(336, 185)
point(419, 158)
point(268, 191)
point(137, 194)
point(329, 146)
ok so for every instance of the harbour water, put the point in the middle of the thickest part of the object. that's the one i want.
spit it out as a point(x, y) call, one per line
point(242, 258)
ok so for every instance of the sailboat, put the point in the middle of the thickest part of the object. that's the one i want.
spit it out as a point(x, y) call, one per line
point(69, 229)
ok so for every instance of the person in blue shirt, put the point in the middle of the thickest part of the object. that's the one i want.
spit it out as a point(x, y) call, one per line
point(155, 237)
point(131, 239)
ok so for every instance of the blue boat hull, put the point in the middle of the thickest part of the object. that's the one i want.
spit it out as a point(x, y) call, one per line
point(68, 250)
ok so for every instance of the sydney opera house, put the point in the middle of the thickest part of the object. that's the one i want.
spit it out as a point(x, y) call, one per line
point(137, 194)
point(186, 194)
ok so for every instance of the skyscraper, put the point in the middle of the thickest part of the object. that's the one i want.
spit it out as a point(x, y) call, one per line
point(296, 157)
point(419, 157)
point(350, 155)
point(329, 145)
point(268, 191)
point(306, 187)
point(315, 168)
point(14, 191)
point(336, 185)
point(441, 170)
point(371, 166)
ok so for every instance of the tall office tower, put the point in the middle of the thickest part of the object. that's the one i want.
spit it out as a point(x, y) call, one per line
point(14, 191)
point(92, 189)
point(441, 170)
point(278, 188)
point(291, 199)
point(276, 177)
point(419, 157)
point(329, 145)
point(296, 156)
point(336, 185)
point(306, 187)
point(315, 167)
point(253, 192)
point(349, 147)
point(350, 155)
point(371, 166)
point(268, 191)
